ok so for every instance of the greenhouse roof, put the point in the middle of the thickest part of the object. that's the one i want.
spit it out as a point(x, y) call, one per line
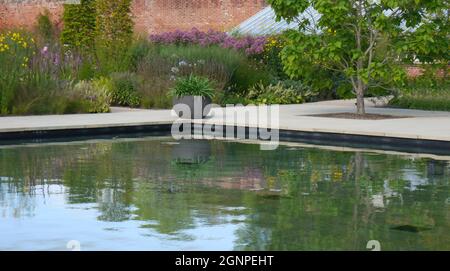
point(265, 23)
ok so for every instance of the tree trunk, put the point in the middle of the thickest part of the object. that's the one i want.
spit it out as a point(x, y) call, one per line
point(360, 107)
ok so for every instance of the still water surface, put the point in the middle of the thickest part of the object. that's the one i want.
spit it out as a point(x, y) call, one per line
point(159, 194)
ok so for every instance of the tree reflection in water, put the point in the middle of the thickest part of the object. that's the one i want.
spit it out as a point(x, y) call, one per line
point(293, 198)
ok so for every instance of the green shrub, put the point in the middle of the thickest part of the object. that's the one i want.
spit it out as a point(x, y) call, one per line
point(309, 94)
point(272, 56)
point(114, 34)
point(277, 94)
point(79, 26)
point(124, 89)
point(95, 94)
point(87, 70)
point(193, 86)
point(137, 52)
point(234, 99)
point(45, 28)
point(114, 25)
point(248, 74)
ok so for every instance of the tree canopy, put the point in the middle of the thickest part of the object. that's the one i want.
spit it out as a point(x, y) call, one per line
point(364, 40)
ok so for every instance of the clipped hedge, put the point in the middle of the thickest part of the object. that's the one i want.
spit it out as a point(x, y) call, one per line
point(79, 25)
point(114, 25)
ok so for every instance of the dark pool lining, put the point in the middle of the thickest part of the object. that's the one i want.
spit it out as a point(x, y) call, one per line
point(319, 138)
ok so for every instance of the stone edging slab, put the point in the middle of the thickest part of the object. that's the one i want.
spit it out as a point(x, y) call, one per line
point(416, 145)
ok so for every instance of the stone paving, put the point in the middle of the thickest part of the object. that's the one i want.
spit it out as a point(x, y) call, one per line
point(429, 125)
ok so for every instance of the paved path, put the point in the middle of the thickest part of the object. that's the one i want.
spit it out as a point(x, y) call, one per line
point(430, 125)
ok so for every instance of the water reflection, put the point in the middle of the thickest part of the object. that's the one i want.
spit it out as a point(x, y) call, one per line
point(191, 151)
point(161, 194)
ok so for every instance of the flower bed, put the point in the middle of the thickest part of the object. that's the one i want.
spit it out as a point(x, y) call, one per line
point(250, 45)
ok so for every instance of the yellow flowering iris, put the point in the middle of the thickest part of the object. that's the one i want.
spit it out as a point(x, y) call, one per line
point(12, 39)
point(15, 49)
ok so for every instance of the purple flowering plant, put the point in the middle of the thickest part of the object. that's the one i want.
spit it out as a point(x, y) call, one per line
point(251, 46)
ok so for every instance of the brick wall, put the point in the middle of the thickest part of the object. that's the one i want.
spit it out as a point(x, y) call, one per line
point(150, 16)
point(23, 13)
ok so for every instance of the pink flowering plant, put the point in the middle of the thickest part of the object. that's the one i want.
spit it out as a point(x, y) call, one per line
point(251, 46)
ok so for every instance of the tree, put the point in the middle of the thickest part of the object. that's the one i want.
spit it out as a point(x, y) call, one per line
point(45, 26)
point(114, 33)
point(114, 26)
point(79, 26)
point(364, 40)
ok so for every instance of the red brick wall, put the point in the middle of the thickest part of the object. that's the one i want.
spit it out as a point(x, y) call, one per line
point(150, 16)
point(23, 13)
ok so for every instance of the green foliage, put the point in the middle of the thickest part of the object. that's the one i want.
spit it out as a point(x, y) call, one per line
point(430, 76)
point(87, 70)
point(272, 55)
point(79, 26)
point(114, 25)
point(45, 28)
point(96, 94)
point(137, 51)
point(215, 63)
point(164, 64)
point(124, 89)
point(34, 84)
point(102, 30)
point(192, 86)
point(277, 94)
point(15, 54)
point(425, 99)
point(193, 53)
point(247, 75)
point(362, 40)
point(113, 34)
point(309, 94)
point(428, 91)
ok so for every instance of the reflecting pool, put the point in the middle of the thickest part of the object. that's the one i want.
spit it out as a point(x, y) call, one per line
point(161, 194)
